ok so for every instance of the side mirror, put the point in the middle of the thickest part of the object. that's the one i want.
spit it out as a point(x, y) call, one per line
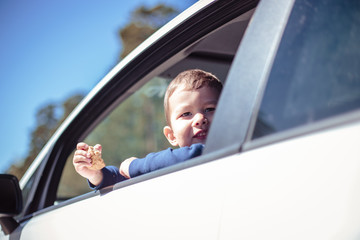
point(11, 202)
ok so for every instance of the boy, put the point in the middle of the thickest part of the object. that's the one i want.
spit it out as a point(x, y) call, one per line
point(189, 104)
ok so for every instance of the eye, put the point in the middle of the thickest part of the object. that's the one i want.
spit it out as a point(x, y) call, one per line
point(211, 109)
point(185, 114)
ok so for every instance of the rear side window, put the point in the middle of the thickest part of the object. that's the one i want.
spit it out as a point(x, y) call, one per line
point(316, 73)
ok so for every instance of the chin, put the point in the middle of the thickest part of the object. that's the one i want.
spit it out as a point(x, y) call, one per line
point(199, 141)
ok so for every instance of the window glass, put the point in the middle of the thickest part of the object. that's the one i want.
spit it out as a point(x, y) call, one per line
point(316, 72)
point(134, 128)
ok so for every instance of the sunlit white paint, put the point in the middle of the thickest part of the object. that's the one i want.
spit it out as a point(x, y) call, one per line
point(305, 188)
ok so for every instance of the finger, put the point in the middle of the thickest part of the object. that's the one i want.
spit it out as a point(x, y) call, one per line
point(80, 159)
point(98, 147)
point(82, 163)
point(82, 146)
point(82, 153)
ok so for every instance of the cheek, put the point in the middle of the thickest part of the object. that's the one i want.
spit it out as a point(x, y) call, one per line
point(181, 128)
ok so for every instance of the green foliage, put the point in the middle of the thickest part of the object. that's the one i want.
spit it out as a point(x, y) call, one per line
point(47, 121)
point(154, 17)
point(134, 128)
point(144, 22)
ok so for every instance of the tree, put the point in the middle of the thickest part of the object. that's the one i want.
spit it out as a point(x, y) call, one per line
point(144, 22)
point(47, 122)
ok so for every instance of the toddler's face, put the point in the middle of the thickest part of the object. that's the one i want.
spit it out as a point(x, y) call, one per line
point(191, 113)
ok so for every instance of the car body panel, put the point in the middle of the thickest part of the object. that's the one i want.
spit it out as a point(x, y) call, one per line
point(304, 188)
point(116, 215)
point(311, 181)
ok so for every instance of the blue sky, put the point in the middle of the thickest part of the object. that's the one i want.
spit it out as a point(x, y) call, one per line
point(50, 50)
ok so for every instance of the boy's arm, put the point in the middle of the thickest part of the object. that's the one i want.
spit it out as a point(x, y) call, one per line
point(111, 175)
point(165, 158)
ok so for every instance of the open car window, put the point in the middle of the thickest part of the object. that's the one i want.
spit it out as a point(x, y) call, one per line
point(133, 129)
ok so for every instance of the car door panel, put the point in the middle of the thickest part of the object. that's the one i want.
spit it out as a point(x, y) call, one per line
point(304, 188)
point(182, 205)
point(310, 181)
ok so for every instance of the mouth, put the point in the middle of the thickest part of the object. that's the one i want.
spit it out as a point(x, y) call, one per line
point(200, 135)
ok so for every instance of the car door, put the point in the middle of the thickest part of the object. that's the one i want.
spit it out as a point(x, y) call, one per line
point(182, 201)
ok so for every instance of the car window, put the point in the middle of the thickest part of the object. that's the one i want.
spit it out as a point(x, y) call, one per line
point(316, 72)
point(134, 128)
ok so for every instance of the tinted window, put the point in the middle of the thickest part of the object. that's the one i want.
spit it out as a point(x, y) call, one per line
point(316, 73)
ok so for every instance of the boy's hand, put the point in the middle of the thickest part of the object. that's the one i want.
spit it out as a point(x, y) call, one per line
point(124, 167)
point(82, 162)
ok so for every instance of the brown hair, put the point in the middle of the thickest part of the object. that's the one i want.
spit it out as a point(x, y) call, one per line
point(191, 80)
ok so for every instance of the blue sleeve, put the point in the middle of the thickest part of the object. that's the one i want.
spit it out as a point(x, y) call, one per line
point(111, 175)
point(165, 158)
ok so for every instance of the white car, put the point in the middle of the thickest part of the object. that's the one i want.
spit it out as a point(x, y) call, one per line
point(282, 159)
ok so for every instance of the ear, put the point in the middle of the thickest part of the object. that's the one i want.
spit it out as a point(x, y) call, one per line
point(169, 134)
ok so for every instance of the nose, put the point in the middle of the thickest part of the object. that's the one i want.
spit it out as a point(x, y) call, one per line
point(200, 119)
